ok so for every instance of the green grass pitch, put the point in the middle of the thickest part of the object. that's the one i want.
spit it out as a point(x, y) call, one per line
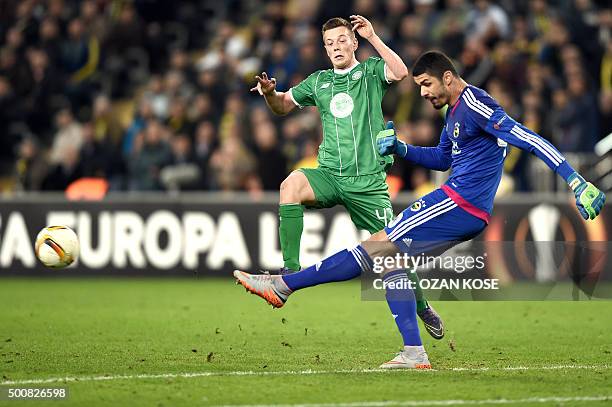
point(167, 342)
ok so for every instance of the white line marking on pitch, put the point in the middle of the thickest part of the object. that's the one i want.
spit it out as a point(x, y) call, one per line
point(417, 403)
point(288, 373)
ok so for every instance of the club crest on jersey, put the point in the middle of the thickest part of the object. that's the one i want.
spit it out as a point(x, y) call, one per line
point(341, 105)
point(417, 206)
point(356, 75)
point(456, 130)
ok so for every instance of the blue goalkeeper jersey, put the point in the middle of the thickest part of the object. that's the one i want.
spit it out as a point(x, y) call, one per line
point(473, 143)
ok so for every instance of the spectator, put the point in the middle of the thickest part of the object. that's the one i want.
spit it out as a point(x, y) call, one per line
point(50, 41)
point(585, 115)
point(205, 144)
point(477, 62)
point(557, 36)
point(573, 117)
point(8, 114)
point(59, 11)
point(487, 22)
point(175, 85)
point(231, 120)
point(293, 132)
point(178, 120)
point(94, 154)
point(106, 126)
point(157, 97)
point(31, 167)
point(126, 32)
point(80, 56)
point(40, 84)
point(95, 24)
point(62, 174)
point(182, 172)
point(450, 27)
point(282, 63)
point(9, 67)
point(179, 61)
point(151, 154)
point(68, 139)
point(272, 163)
point(202, 109)
point(143, 114)
point(231, 165)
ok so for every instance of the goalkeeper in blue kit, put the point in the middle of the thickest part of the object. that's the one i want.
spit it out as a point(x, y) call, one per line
point(473, 145)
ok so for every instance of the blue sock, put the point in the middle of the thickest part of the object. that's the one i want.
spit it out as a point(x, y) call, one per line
point(344, 265)
point(402, 304)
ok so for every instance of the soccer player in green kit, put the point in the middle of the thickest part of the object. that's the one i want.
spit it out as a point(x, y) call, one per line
point(351, 172)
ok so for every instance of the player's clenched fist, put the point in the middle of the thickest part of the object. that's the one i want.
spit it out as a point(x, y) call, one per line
point(589, 199)
point(388, 143)
point(265, 85)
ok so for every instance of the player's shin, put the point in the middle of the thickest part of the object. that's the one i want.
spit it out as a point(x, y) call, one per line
point(401, 300)
point(291, 224)
point(344, 265)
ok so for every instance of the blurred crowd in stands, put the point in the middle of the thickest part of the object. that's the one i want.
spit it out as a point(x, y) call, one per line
point(154, 95)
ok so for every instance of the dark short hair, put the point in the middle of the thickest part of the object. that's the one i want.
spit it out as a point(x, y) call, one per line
point(335, 23)
point(434, 63)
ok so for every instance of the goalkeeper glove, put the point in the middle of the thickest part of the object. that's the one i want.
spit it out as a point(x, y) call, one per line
point(589, 199)
point(387, 142)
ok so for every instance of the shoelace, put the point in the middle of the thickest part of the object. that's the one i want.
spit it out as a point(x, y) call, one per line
point(266, 273)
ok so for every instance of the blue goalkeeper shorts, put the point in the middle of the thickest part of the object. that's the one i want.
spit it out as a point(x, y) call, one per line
point(433, 224)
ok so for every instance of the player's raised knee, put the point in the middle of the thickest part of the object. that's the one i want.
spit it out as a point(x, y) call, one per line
point(295, 189)
point(289, 189)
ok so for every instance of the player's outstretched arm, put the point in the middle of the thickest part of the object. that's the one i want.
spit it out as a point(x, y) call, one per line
point(279, 102)
point(589, 199)
point(395, 69)
point(434, 158)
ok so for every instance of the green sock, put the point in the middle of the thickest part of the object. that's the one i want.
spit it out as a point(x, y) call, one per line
point(291, 218)
point(421, 302)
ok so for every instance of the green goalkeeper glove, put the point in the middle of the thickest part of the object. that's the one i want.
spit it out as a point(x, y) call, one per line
point(388, 143)
point(589, 199)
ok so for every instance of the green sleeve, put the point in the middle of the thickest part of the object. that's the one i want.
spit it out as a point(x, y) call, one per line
point(377, 65)
point(304, 93)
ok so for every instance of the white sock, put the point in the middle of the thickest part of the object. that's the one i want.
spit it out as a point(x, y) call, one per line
point(414, 351)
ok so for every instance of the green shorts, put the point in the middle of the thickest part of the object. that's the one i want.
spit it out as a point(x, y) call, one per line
point(365, 197)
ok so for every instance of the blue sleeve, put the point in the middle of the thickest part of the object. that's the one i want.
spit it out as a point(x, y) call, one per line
point(486, 114)
point(437, 158)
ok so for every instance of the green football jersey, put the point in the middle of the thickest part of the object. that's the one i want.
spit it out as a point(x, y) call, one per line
point(349, 104)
